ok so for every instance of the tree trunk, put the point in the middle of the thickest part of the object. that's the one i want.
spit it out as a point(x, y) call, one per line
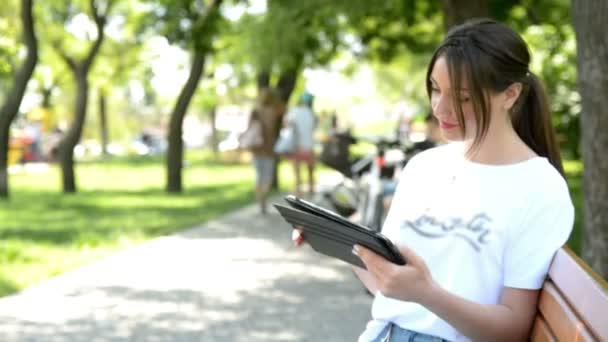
point(103, 122)
point(9, 109)
point(46, 93)
point(263, 79)
point(80, 69)
point(592, 70)
point(175, 151)
point(214, 133)
point(72, 136)
point(458, 11)
point(285, 86)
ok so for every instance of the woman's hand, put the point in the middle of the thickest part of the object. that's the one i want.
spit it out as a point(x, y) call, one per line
point(411, 282)
point(297, 235)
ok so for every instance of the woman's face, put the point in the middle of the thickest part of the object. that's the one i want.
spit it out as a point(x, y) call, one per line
point(442, 104)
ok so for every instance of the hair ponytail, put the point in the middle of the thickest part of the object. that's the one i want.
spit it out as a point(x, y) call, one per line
point(533, 122)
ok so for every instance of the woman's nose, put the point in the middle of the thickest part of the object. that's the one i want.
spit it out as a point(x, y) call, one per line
point(442, 105)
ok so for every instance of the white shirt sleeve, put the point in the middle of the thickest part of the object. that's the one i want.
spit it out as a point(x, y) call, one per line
point(404, 190)
point(531, 247)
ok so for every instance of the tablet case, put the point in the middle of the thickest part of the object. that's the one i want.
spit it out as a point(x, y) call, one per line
point(335, 237)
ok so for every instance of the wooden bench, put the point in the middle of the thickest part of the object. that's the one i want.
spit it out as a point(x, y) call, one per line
point(573, 304)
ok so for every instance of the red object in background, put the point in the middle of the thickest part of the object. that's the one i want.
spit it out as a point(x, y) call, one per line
point(28, 155)
point(380, 161)
point(26, 140)
point(24, 143)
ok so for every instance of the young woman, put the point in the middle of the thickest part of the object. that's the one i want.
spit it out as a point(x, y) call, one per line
point(304, 121)
point(268, 111)
point(478, 219)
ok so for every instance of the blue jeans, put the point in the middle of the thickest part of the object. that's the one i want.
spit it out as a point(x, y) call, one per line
point(264, 170)
point(394, 333)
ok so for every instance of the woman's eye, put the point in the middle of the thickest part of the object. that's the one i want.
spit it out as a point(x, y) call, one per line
point(465, 99)
point(434, 89)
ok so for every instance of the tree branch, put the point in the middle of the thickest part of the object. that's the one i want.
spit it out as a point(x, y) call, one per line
point(203, 24)
point(71, 62)
point(100, 22)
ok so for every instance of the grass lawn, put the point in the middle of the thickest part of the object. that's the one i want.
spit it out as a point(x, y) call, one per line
point(120, 203)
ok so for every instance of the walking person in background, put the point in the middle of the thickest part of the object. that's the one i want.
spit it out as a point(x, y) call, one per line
point(304, 121)
point(483, 215)
point(267, 115)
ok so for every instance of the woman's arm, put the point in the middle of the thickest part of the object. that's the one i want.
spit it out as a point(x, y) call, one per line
point(508, 321)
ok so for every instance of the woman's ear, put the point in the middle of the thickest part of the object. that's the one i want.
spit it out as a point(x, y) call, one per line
point(512, 93)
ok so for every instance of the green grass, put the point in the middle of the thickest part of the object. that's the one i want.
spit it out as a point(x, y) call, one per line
point(122, 202)
point(119, 203)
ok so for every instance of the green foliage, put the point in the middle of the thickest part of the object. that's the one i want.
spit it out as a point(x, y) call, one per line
point(546, 27)
point(67, 25)
point(389, 28)
point(403, 78)
point(288, 34)
point(121, 60)
point(191, 24)
point(8, 47)
point(554, 54)
point(310, 33)
point(10, 42)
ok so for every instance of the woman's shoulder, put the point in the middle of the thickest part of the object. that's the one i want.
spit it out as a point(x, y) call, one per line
point(545, 180)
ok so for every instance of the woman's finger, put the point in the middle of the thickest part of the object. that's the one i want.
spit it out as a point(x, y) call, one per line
point(373, 262)
point(297, 236)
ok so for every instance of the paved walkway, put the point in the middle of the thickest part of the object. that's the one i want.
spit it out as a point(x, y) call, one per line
point(234, 279)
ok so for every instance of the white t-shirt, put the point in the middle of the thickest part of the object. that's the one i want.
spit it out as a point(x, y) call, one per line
point(305, 121)
point(478, 227)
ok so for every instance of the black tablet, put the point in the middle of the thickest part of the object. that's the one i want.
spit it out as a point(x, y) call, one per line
point(330, 234)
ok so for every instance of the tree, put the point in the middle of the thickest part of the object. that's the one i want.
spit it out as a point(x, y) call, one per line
point(117, 69)
point(80, 70)
point(592, 68)
point(192, 24)
point(12, 102)
point(547, 28)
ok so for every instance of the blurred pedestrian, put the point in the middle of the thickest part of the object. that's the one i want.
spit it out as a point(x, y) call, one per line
point(304, 121)
point(267, 113)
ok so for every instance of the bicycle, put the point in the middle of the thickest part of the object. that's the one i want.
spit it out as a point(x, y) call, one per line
point(366, 181)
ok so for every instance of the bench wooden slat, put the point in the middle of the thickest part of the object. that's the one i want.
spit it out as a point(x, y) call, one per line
point(584, 290)
point(541, 332)
point(560, 317)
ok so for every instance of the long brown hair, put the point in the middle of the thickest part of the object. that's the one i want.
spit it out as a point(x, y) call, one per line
point(490, 57)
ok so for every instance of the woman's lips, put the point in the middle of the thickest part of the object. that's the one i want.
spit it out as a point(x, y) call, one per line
point(446, 125)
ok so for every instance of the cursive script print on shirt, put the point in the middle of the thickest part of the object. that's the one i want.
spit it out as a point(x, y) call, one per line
point(475, 231)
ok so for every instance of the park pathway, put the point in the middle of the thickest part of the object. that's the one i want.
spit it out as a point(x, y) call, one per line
point(236, 278)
